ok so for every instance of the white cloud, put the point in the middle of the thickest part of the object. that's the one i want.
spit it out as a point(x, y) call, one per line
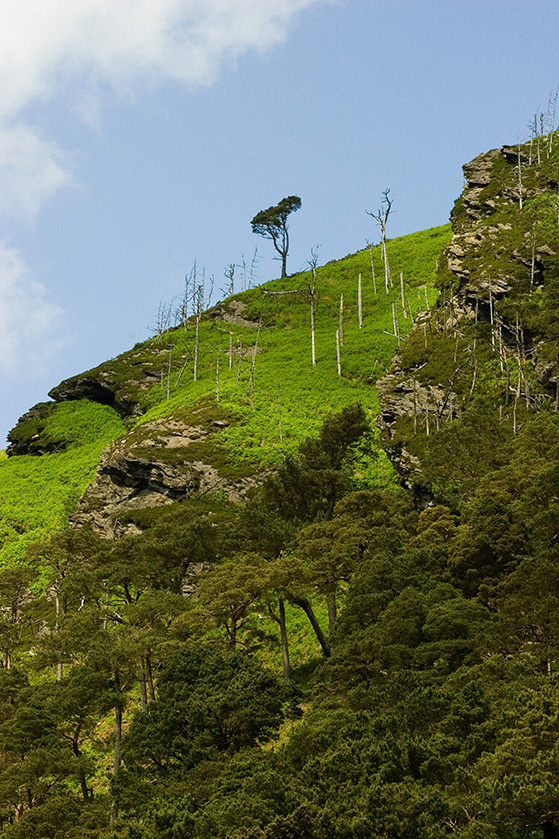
point(52, 46)
point(29, 325)
point(31, 171)
point(76, 49)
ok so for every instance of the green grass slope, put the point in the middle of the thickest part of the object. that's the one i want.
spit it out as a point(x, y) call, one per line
point(285, 399)
point(38, 493)
point(276, 401)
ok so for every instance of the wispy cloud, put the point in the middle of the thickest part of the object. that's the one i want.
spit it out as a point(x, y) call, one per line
point(77, 50)
point(29, 325)
point(53, 46)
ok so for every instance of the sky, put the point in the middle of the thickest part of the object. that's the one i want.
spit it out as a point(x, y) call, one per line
point(140, 136)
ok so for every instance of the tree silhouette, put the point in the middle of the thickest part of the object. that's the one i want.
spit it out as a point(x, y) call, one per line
point(272, 224)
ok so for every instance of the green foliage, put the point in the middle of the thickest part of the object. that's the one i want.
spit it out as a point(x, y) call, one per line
point(272, 224)
point(37, 494)
point(433, 706)
point(258, 421)
point(436, 707)
point(209, 701)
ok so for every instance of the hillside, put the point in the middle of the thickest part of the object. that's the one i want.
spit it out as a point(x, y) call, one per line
point(301, 601)
point(55, 448)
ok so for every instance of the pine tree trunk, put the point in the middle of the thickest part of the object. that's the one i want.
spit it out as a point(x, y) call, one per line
point(308, 610)
point(143, 688)
point(284, 642)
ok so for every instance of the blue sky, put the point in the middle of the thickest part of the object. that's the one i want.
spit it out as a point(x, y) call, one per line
point(138, 136)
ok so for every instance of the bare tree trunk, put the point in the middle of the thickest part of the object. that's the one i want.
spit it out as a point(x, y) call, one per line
point(143, 689)
point(359, 303)
point(313, 355)
point(402, 293)
point(149, 675)
point(338, 352)
point(230, 273)
point(341, 320)
point(396, 321)
point(284, 641)
point(370, 245)
point(253, 363)
point(281, 622)
point(519, 179)
point(308, 610)
point(199, 308)
point(533, 262)
point(196, 347)
point(387, 275)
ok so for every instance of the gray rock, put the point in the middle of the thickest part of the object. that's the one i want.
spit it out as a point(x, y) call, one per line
point(153, 465)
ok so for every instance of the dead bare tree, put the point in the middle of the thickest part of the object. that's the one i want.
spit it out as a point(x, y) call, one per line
point(338, 357)
point(189, 284)
point(253, 364)
point(359, 303)
point(313, 262)
point(551, 109)
point(164, 313)
point(519, 168)
point(199, 310)
point(370, 246)
point(533, 260)
point(229, 274)
point(381, 217)
point(247, 271)
point(402, 293)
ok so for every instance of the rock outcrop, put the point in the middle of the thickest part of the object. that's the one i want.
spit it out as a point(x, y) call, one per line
point(120, 383)
point(502, 254)
point(159, 462)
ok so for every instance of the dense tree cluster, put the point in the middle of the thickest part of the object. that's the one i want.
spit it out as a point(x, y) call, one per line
point(141, 695)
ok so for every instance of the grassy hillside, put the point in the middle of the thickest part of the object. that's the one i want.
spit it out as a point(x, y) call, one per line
point(287, 390)
point(284, 401)
point(38, 493)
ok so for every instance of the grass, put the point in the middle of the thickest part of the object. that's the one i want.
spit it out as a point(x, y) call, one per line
point(38, 493)
point(285, 399)
point(269, 407)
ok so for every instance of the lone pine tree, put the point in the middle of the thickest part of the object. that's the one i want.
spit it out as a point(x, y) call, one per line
point(272, 224)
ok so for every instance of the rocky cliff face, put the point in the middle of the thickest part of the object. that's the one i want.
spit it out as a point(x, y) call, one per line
point(491, 330)
point(169, 459)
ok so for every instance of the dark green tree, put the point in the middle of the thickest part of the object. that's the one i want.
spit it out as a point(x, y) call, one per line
point(272, 224)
